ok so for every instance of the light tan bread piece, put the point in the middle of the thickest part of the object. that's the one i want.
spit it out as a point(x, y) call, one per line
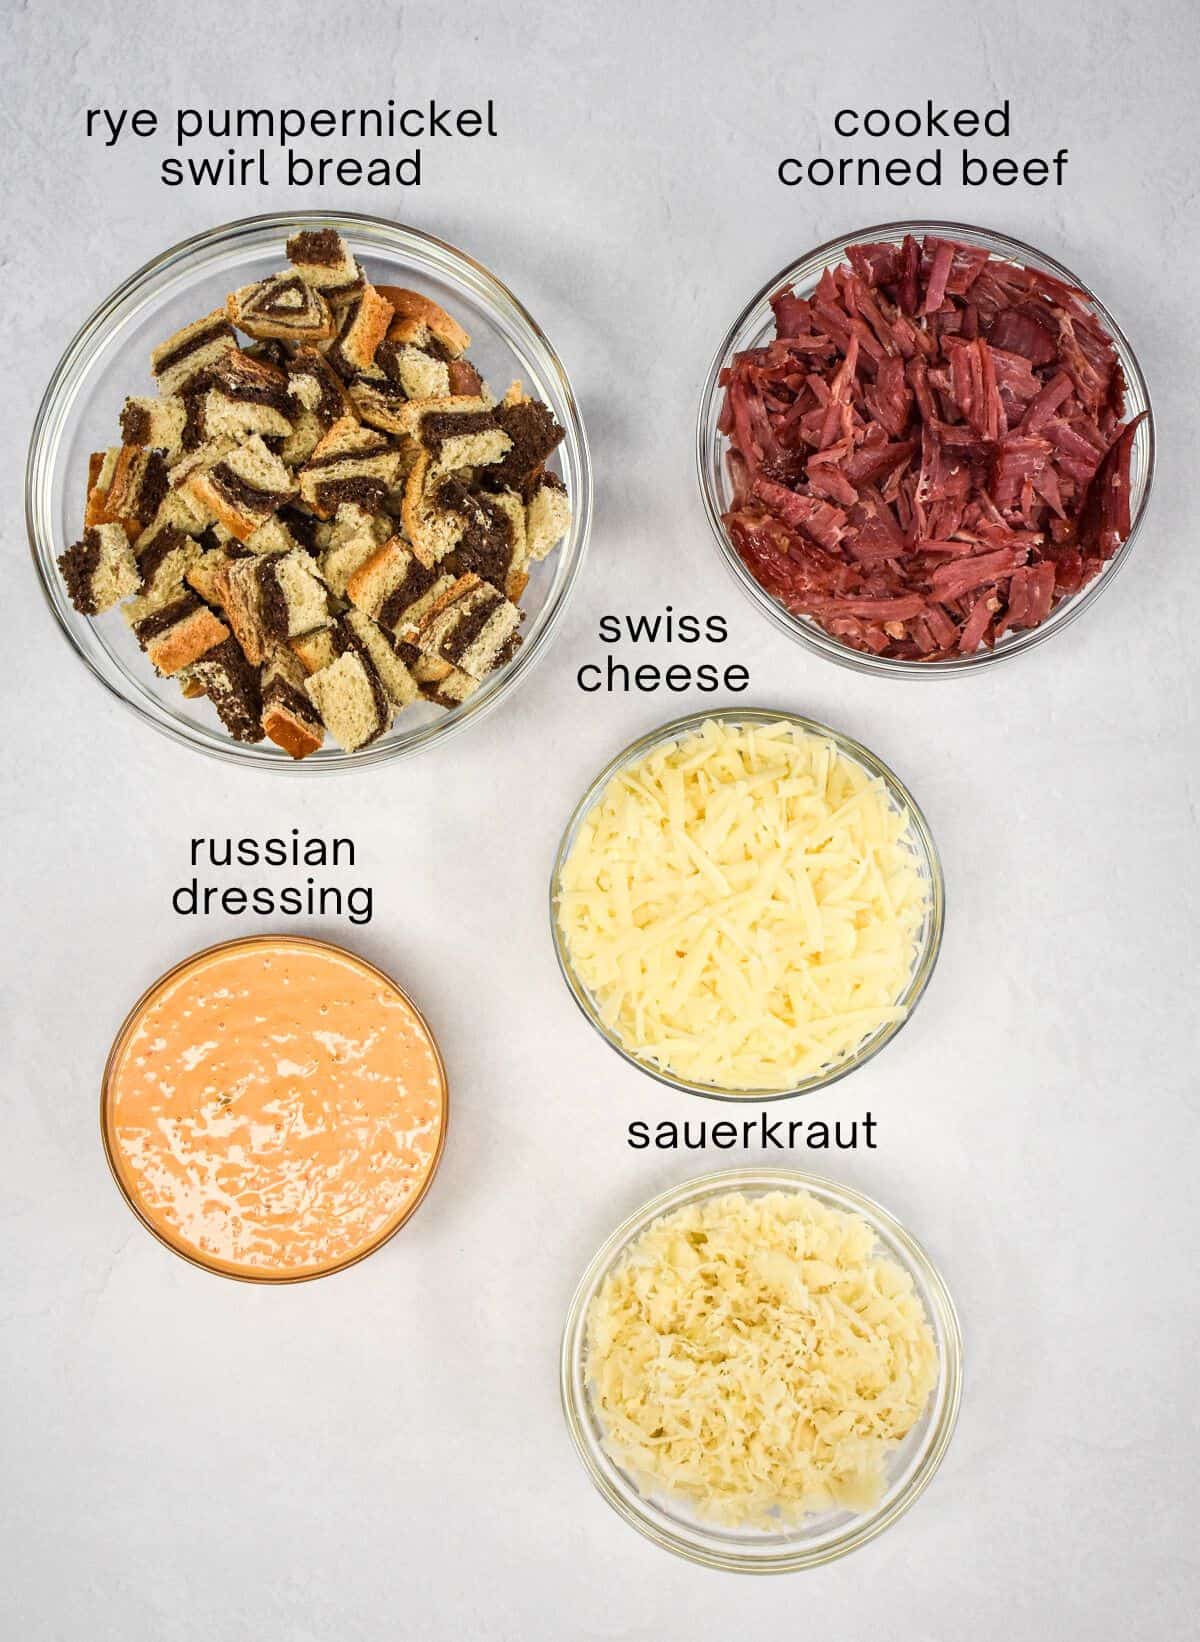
point(317, 388)
point(472, 626)
point(397, 680)
point(270, 599)
point(439, 681)
point(199, 459)
point(408, 305)
point(433, 530)
point(102, 465)
point(156, 421)
point(207, 575)
point(176, 511)
point(351, 700)
point(355, 537)
point(225, 676)
point(456, 432)
point(131, 489)
point(244, 488)
point(99, 570)
point(191, 351)
point(326, 263)
point(363, 326)
point(547, 518)
point(351, 464)
point(162, 570)
point(289, 717)
point(282, 306)
point(244, 396)
point(180, 634)
point(396, 589)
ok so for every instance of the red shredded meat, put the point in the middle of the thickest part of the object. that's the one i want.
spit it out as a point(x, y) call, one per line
point(932, 451)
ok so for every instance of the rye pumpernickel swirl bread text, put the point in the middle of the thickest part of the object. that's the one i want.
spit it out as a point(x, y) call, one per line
point(329, 524)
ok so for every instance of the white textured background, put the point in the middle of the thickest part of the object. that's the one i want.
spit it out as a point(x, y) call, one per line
point(382, 1455)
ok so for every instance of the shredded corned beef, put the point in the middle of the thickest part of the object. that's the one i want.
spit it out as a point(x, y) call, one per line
point(931, 453)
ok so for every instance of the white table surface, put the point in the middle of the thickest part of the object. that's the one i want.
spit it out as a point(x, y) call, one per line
point(382, 1455)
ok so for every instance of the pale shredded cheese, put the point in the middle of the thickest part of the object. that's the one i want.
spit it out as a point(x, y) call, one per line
point(744, 906)
point(758, 1360)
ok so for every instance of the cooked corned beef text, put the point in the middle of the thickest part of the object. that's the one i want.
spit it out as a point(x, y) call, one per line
point(931, 453)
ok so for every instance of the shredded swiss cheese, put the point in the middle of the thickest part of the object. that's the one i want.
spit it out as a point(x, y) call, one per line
point(744, 906)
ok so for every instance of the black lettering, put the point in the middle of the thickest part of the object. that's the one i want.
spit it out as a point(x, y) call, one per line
point(869, 1131)
point(678, 677)
point(897, 171)
point(360, 905)
point(933, 122)
point(184, 900)
point(588, 667)
point(322, 123)
point(1001, 118)
point(275, 852)
point(876, 123)
point(665, 1136)
point(610, 629)
point(843, 114)
point(785, 175)
point(233, 901)
point(724, 1135)
point(247, 853)
point(716, 629)
point(343, 852)
point(1005, 172)
point(469, 122)
point(197, 845)
point(826, 176)
point(144, 122)
point(647, 676)
point(818, 1135)
point(688, 629)
point(737, 678)
point(911, 118)
point(172, 173)
point(639, 1135)
point(291, 901)
point(929, 170)
point(642, 627)
point(966, 122)
point(770, 1133)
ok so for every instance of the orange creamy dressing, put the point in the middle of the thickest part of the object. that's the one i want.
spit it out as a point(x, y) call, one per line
point(274, 1107)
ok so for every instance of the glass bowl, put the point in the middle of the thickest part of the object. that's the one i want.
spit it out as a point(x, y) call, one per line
point(109, 359)
point(822, 1536)
point(159, 1229)
point(755, 325)
point(920, 839)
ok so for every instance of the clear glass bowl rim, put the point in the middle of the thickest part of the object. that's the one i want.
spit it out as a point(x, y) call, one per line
point(710, 452)
point(396, 238)
point(267, 1279)
point(624, 1497)
point(935, 921)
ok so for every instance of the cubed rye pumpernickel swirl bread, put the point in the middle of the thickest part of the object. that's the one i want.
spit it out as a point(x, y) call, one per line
point(327, 524)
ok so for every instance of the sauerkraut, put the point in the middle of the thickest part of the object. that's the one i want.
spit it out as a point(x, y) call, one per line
point(757, 1358)
point(744, 906)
